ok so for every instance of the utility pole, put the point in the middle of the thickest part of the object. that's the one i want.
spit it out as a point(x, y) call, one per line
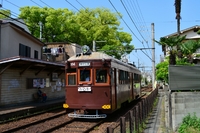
point(153, 55)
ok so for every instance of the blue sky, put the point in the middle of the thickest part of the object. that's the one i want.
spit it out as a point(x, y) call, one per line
point(141, 14)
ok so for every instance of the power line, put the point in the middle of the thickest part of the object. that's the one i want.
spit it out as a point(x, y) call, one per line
point(12, 3)
point(45, 3)
point(72, 5)
point(36, 3)
point(144, 23)
point(11, 12)
point(80, 4)
point(133, 22)
point(125, 22)
point(129, 27)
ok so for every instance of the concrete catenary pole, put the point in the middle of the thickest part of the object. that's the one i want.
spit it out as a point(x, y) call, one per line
point(153, 56)
point(40, 23)
point(94, 46)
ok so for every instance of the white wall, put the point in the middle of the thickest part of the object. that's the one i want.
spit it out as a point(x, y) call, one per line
point(11, 37)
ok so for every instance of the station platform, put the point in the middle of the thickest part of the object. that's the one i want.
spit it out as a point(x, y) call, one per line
point(12, 111)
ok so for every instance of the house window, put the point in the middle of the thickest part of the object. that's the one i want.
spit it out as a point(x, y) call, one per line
point(24, 50)
point(35, 54)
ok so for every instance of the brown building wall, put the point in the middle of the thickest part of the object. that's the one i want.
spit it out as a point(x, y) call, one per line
point(14, 88)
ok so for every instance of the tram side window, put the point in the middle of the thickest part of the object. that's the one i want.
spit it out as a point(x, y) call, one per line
point(136, 77)
point(124, 77)
point(71, 79)
point(101, 76)
point(85, 75)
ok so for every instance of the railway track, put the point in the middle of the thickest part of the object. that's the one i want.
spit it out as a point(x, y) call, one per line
point(30, 123)
point(60, 122)
point(79, 126)
point(28, 115)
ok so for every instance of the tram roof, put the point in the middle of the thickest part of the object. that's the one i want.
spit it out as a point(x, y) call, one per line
point(97, 56)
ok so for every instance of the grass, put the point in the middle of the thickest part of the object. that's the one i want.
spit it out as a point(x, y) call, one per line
point(190, 124)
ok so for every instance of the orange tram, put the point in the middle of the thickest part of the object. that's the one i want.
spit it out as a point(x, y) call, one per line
point(99, 84)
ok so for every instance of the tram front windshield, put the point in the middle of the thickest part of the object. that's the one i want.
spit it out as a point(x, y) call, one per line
point(85, 75)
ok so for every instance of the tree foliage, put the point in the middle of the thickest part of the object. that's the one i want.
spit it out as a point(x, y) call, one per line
point(162, 71)
point(188, 48)
point(6, 12)
point(172, 43)
point(63, 25)
point(55, 23)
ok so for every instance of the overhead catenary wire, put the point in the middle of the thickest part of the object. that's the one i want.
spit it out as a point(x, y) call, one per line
point(125, 22)
point(135, 8)
point(133, 22)
point(45, 3)
point(80, 4)
point(36, 3)
point(12, 13)
point(12, 3)
point(143, 19)
point(72, 5)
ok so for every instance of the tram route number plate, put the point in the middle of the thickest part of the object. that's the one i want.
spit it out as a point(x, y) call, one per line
point(84, 88)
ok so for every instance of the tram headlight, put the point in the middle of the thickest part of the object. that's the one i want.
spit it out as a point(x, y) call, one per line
point(65, 105)
point(107, 106)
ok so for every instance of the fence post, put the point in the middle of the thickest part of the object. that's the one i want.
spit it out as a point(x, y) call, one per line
point(137, 119)
point(109, 130)
point(122, 125)
point(141, 119)
point(146, 108)
point(134, 118)
point(143, 110)
point(131, 121)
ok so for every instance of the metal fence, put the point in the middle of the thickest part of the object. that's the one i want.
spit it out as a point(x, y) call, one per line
point(135, 118)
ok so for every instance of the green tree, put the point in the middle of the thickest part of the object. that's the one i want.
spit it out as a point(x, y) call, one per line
point(101, 25)
point(171, 44)
point(56, 24)
point(62, 25)
point(4, 14)
point(162, 71)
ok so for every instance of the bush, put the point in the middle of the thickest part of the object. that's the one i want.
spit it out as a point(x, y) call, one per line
point(189, 123)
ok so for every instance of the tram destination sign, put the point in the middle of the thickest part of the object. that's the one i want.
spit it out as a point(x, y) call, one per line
point(83, 64)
